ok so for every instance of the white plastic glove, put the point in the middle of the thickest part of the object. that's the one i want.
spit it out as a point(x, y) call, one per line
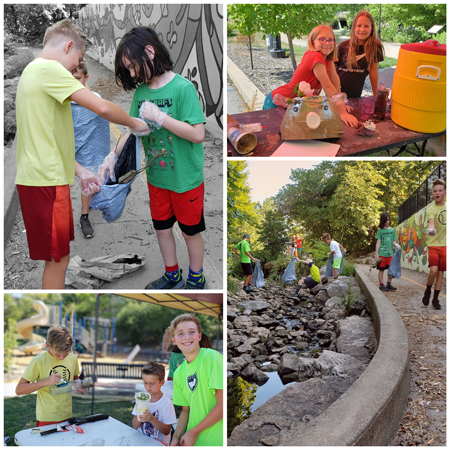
point(141, 128)
point(107, 167)
point(89, 182)
point(431, 231)
point(151, 113)
point(397, 246)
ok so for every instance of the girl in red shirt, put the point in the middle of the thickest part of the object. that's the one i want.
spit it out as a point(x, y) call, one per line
point(317, 69)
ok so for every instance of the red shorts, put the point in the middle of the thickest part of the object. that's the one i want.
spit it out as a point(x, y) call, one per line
point(47, 214)
point(168, 207)
point(384, 263)
point(41, 424)
point(437, 256)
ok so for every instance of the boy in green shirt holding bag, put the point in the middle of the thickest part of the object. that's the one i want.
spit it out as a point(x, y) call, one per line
point(244, 253)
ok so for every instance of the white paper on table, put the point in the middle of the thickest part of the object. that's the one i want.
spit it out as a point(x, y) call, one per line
point(306, 148)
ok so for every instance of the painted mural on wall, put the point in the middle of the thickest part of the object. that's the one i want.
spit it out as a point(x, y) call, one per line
point(193, 34)
point(412, 235)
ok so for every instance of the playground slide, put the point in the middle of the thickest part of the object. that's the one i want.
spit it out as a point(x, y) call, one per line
point(25, 328)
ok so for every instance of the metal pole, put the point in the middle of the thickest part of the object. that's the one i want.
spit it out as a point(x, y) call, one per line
point(74, 333)
point(250, 46)
point(60, 313)
point(113, 336)
point(94, 378)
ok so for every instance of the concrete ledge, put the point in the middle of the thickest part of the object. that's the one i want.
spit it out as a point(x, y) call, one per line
point(10, 194)
point(251, 95)
point(370, 411)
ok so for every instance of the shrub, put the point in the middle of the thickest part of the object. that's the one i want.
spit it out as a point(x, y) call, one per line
point(232, 285)
point(349, 301)
point(9, 345)
point(348, 270)
point(231, 29)
point(442, 37)
point(279, 266)
point(15, 64)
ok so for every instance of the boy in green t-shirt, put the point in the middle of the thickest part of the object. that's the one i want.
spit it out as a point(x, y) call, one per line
point(46, 147)
point(244, 253)
point(49, 368)
point(437, 243)
point(384, 250)
point(198, 387)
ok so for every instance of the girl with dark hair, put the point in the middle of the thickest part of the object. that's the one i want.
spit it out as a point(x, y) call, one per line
point(359, 56)
point(385, 249)
point(170, 105)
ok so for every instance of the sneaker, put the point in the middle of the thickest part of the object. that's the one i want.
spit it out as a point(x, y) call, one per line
point(426, 298)
point(436, 304)
point(195, 284)
point(389, 287)
point(166, 283)
point(384, 288)
point(86, 228)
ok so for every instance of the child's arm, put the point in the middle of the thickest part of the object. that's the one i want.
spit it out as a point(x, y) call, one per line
point(431, 230)
point(216, 413)
point(135, 423)
point(149, 417)
point(192, 133)
point(251, 257)
point(377, 247)
point(108, 110)
point(234, 250)
point(25, 387)
point(320, 72)
point(373, 76)
point(181, 426)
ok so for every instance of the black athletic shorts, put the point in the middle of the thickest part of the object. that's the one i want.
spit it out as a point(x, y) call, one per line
point(247, 268)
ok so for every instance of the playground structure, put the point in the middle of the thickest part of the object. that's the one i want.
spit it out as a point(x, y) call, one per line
point(48, 316)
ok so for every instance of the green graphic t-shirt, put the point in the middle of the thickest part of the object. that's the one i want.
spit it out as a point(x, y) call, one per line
point(52, 408)
point(439, 214)
point(387, 238)
point(243, 247)
point(195, 385)
point(180, 166)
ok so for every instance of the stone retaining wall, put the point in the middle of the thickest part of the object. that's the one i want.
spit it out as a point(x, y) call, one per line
point(369, 412)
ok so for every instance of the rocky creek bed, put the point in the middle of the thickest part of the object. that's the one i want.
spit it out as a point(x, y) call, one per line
point(313, 341)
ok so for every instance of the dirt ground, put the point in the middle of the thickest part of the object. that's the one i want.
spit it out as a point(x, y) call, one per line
point(424, 421)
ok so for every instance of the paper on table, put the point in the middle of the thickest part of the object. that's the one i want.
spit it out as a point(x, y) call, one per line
point(306, 148)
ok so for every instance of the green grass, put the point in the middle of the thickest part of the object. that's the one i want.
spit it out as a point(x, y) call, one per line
point(20, 412)
point(388, 62)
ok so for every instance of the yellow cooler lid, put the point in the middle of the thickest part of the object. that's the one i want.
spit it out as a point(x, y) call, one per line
point(430, 47)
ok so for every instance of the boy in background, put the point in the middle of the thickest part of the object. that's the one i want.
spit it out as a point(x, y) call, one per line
point(46, 147)
point(157, 421)
point(437, 243)
point(198, 387)
point(244, 253)
point(47, 369)
point(335, 250)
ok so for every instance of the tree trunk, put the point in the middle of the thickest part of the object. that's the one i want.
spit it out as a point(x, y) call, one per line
point(250, 47)
point(291, 51)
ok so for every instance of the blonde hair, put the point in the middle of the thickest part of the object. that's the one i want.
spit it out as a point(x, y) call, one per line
point(371, 44)
point(439, 182)
point(65, 30)
point(59, 339)
point(313, 36)
point(184, 318)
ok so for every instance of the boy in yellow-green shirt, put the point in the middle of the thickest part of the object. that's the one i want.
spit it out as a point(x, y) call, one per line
point(46, 147)
point(437, 243)
point(310, 281)
point(244, 253)
point(51, 367)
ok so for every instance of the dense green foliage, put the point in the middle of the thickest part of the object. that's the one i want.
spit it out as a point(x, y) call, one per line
point(137, 322)
point(9, 343)
point(28, 22)
point(404, 23)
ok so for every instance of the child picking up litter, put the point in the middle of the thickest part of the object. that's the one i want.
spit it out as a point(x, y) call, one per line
point(311, 280)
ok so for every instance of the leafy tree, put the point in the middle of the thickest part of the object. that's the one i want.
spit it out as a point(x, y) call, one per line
point(9, 344)
point(240, 398)
point(295, 20)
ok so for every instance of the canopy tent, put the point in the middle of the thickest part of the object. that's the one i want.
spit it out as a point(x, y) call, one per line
point(208, 304)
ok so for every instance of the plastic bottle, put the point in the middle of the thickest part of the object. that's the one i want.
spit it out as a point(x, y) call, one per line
point(67, 387)
point(381, 102)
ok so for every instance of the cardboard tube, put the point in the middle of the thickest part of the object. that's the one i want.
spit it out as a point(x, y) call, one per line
point(243, 141)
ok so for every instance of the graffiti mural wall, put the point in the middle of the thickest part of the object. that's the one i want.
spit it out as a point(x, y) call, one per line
point(193, 34)
point(412, 236)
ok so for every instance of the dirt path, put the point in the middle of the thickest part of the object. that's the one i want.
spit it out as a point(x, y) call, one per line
point(424, 421)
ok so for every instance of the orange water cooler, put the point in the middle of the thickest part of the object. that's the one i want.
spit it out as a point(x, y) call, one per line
point(418, 99)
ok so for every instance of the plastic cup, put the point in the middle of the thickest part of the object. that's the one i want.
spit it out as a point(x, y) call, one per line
point(142, 404)
point(366, 107)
